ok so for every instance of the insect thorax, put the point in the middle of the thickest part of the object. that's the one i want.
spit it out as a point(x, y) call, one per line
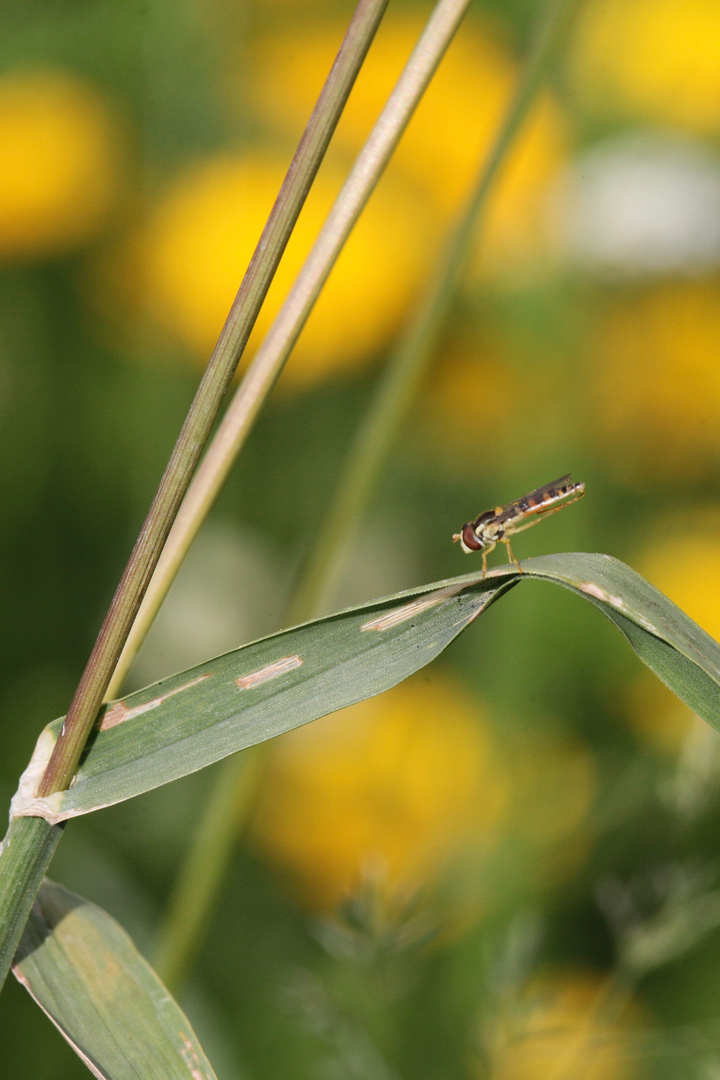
point(488, 529)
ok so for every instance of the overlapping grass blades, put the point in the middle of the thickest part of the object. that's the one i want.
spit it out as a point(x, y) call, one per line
point(84, 972)
point(250, 695)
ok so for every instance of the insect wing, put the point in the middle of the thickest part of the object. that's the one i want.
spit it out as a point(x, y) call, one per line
point(539, 501)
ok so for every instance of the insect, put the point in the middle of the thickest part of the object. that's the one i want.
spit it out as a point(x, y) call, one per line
point(498, 525)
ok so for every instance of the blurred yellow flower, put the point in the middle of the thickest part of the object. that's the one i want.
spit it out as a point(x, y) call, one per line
point(554, 782)
point(562, 1032)
point(469, 397)
point(655, 59)
point(683, 561)
point(452, 130)
point(659, 378)
point(187, 262)
point(387, 792)
point(659, 719)
point(60, 163)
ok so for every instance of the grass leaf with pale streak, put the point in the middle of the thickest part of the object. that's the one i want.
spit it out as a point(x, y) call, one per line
point(192, 719)
point(252, 694)
point(84, 972)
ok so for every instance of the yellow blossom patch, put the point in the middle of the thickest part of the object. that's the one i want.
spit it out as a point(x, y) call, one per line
point(60, 164)
point(658, 718)
point(659, 379)
point(655, 59)
point(470, 400)
point(452, 130)
point(683, 561)
point(565, 1026)
point(388, 791)
point(186, 263)
point(553, 781)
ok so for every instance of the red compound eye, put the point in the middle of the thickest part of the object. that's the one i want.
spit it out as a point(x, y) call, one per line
point(468, 537)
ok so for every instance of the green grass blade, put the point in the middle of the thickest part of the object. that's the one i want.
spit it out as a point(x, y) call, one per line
point(252, 694)
point(192, 719)
point(674, 647)
point(84, 972)
point(25, 854)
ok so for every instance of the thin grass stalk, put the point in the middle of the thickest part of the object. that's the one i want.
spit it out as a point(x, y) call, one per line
point(19, 878)
point(199, 874)
point(285, 330)
point(203, 871)
point(207, 857)
point(206, 405)
point(414, 352)
point(208, 478)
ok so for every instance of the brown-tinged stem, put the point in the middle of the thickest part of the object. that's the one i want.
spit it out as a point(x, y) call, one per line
point(204, 872)
point(277, 345)
point(204, 409)
point(22, 867)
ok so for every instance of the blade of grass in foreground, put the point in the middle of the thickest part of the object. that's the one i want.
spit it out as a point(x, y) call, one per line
point(85, 973)
point(680, 652)
point(234, 701)
point(242, 698)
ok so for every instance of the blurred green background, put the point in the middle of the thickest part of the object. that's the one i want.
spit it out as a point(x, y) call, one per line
point(507, 867)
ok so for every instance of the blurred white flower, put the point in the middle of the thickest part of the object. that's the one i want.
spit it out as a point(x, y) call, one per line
point(227, 592)
point(642, 203)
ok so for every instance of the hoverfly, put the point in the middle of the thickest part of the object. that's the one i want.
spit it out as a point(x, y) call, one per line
point(498, 525)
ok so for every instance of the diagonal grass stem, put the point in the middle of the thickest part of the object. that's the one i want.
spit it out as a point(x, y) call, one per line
point(285, 330)
point(19, 878)
point(204, 409)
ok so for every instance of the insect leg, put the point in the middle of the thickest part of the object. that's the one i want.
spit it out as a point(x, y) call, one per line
point(510, 554)
point(488, 547)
